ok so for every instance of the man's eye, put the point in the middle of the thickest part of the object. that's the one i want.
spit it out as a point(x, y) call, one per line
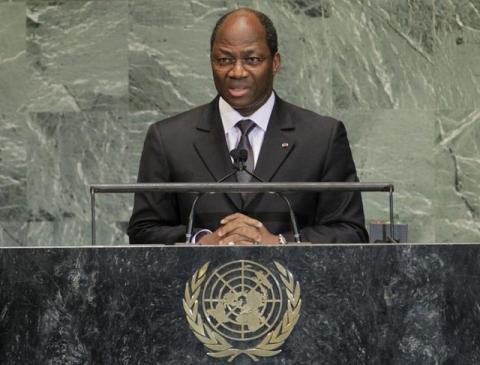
point(222, 61)
point(253, 60)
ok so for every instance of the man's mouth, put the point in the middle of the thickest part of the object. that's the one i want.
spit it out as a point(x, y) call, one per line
point(237, 92)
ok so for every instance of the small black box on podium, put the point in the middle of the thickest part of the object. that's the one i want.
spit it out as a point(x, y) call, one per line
point(379, 232)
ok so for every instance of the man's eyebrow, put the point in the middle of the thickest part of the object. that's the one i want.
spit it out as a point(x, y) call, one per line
point(243, 53)
point(250, 52)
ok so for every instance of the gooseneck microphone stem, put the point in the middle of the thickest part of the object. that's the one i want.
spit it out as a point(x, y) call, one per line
point(189, 234)
point(293, 220)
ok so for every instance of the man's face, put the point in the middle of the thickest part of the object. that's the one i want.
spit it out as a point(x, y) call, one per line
point(242, 65)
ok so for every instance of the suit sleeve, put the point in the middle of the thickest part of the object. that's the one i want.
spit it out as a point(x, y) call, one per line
point(155, 217)
point(339, 216)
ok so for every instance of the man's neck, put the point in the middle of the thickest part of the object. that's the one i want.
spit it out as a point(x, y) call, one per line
point(261, 116)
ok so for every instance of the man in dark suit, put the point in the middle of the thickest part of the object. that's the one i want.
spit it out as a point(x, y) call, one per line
point(284, 143)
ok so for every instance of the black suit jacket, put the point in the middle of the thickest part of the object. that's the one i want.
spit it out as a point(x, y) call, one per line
point(191, 147)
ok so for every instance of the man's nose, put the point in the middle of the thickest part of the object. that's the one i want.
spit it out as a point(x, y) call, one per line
point(238, 71)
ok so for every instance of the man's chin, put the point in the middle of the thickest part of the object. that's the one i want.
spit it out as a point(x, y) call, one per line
point(238, 104)
point(244, 105)
point(243, 109)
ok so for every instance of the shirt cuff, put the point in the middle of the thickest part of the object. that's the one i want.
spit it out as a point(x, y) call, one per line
point(197, 236)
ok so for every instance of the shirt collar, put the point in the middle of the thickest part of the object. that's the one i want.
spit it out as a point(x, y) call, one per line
point(230, 116)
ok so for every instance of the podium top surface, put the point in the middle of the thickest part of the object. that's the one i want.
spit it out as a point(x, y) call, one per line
point(305, 245)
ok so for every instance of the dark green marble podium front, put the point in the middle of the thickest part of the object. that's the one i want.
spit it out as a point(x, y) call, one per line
point(361, 304)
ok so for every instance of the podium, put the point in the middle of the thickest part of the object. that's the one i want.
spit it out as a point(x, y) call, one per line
point(358, 304)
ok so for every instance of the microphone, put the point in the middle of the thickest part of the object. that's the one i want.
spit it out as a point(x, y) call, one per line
point(237, 161)
point(239, 157)
point(242, 156)
point(235, 155)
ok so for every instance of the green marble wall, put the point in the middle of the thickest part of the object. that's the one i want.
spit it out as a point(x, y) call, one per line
point(80, 81)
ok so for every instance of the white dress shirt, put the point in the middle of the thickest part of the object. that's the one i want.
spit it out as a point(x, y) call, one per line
point(230, 117)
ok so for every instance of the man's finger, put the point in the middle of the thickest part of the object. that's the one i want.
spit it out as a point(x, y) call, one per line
point(237, 240)
point(241, 227)
point(232, 217)
point(241, 218)
point(245, 232)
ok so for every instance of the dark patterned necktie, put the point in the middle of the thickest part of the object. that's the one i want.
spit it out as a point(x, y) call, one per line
point(245, 126)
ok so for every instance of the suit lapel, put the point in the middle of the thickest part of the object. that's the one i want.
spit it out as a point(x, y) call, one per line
point(211, 146)
point(277, 144)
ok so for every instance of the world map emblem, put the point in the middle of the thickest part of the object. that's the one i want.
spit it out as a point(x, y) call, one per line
point(242, 307)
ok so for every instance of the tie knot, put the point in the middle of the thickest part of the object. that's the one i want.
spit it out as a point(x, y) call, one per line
point(245, 126)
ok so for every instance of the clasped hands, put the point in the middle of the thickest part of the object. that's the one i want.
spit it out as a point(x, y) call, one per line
point(239, 229)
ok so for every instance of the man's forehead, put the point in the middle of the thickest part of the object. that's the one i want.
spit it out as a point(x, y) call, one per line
point(243, 41)
point(242, 25)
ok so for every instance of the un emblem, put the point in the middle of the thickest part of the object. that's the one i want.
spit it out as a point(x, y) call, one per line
point(242, 308)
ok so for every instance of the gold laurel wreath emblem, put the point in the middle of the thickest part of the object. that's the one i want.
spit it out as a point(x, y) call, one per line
point(219, 346)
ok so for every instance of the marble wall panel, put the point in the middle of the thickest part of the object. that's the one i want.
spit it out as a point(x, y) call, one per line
point(13, 82)
point(66, 153)
point(21, 87)
point(457, 165)
point(80, 47)
point(457, 51)
point(382, 54)
point(13, 178)
point(396, 146)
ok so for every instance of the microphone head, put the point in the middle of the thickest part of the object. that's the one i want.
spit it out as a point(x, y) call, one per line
point(234, 154)
point(243, 155)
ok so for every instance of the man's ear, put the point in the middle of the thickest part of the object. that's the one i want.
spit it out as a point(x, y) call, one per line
point(277, 62)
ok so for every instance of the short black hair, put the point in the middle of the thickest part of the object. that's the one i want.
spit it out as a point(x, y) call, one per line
point(270, 31)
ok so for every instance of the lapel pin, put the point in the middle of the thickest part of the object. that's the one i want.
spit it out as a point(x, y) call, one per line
point(284, 145)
